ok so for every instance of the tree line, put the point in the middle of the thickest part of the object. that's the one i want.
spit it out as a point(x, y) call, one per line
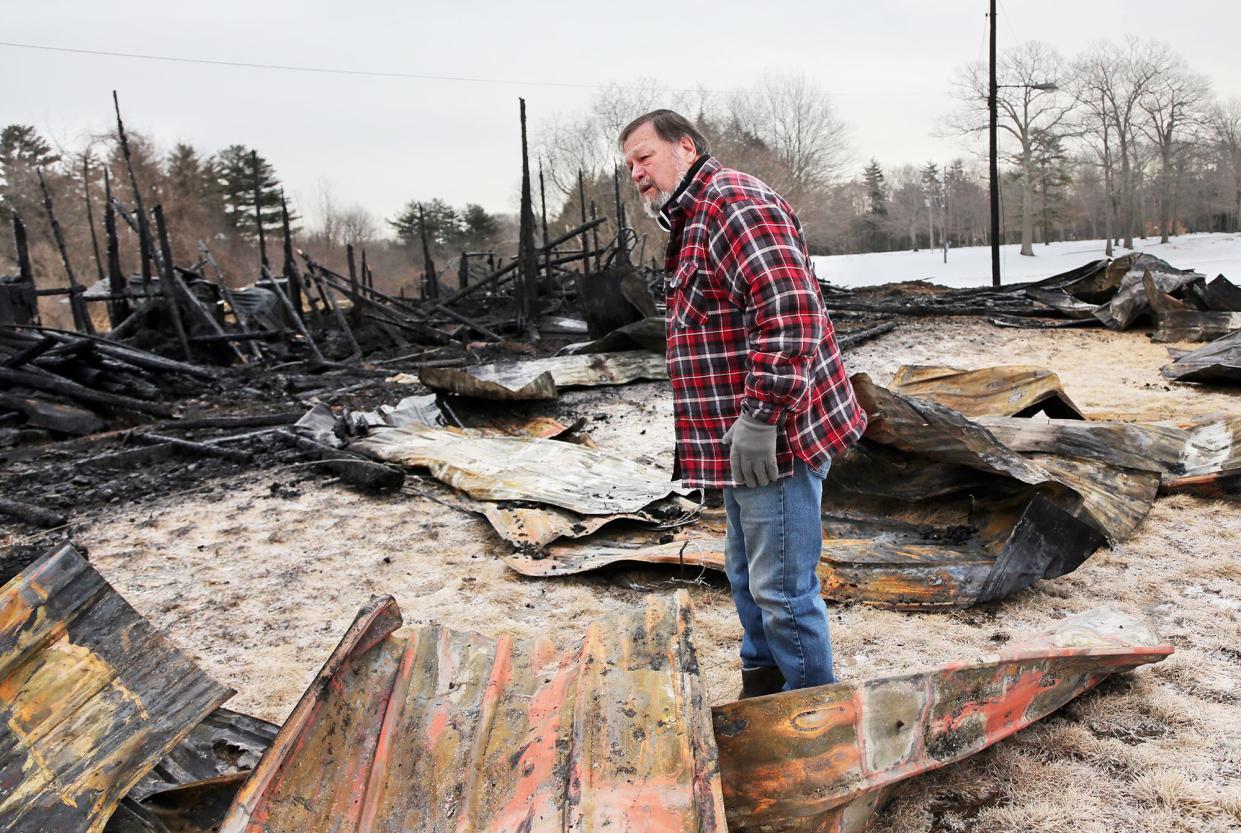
point(211, 197)
point(1124, 141)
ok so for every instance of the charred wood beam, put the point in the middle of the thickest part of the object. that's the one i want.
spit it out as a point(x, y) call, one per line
point(128, 458)
point(527, 288)
point(139, 358)
point(51, 383)
point(846, 340)
point(81, 318)
point(191, 448)
point(90, 216)
point(348, 466)
point(30, 353)
point(242, 421)
point(31, 514)
point(342, 322)
point(166, 284)
point(145, 244)
point(118, 310)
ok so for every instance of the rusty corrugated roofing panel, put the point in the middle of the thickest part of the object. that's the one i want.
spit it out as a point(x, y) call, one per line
point(92, 697)
point(585, 480)
point(1007, 390)
point(820, 759)
point(542, 378)
point(447, 731)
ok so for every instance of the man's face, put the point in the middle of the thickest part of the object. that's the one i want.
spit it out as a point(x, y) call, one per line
point(656, 166)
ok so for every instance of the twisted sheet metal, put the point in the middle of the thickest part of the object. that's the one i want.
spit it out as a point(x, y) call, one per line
point(1008, 390)
point(1218, 362)
point(91, 697)
point(583, 480)
point(821, 759)
point(542, 378)
point(447, 731)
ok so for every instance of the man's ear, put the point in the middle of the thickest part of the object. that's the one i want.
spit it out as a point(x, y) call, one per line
point(687, 145)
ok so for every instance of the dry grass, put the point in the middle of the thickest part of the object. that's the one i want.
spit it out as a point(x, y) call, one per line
point(260, 587)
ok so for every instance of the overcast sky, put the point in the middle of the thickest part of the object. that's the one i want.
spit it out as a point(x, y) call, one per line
point(383, 141)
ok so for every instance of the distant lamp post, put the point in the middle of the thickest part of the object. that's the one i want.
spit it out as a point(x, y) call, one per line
point(993, 106)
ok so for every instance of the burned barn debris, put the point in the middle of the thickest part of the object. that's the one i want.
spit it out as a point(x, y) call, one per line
point(411, 732)
point(543, 378)
point(930, 511)
point(1118, 294)
point(1012, 390)
point(95, 697)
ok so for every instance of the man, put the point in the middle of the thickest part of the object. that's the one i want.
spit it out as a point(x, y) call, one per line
point(760, 396)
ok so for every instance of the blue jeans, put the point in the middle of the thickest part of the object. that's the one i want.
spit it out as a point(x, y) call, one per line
point(771, 552)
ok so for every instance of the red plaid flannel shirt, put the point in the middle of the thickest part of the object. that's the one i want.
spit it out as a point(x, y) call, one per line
point(747, 328)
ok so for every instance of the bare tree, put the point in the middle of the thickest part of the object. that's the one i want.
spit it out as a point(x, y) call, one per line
point(794, 117)
point(1027, 108)
point(1225, 133)
point(1174, 106)
point(1119, 77)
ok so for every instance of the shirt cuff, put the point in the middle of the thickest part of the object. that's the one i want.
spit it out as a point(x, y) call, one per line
point(763, 411)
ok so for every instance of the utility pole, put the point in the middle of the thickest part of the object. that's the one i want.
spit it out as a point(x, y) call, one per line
point(993, 107)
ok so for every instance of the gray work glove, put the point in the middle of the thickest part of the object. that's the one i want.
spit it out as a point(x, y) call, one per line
point(753, 451)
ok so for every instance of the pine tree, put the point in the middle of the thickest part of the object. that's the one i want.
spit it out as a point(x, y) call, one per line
point(444, 225)
point(875, 223)
point(933, 193)
point(232, 173)
point(479, 229)
point(22, 151)
point(1051, 178)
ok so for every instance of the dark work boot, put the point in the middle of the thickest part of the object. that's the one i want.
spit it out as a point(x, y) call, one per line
point(755, 682)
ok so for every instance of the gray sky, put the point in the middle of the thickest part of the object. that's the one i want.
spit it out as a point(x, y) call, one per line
point(383, 141)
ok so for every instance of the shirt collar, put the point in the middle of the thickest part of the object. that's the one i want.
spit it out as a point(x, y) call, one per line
point(687, 193)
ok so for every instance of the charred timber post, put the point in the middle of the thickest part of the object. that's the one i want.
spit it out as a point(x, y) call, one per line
point(581, 204)
point(290, 270)
point(81, 318)
point(365, 271)
point(594, 215)
point(166, 282)
point(24, 271)
point(528, 285)
point(145, 246)
point(430, 283)
point(547, 269)
point(257, 185)
point(118, 311)
point(90, 215)
point(463, 271)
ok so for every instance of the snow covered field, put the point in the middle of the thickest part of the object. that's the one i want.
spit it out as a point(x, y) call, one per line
point(1211, 254)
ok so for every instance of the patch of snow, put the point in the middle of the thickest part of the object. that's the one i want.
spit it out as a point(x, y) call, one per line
point(1211, 254)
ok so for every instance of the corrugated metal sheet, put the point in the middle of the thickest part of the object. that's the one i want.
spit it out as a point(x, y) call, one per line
point(583, 480)
point(1216, 363)
point(542, 378)
point(821, 759)
point(1009, 390)
point(92, 697)
point(446, 731)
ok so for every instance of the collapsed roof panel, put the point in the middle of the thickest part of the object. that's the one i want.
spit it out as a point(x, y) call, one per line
point(1011, 390)
point(584, 480)
point(542, 378)
point(93, 698)
point(1218, 362)
point(821, 759)
point(443, 731)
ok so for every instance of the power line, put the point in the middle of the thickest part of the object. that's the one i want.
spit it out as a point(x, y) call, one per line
point(355, 72)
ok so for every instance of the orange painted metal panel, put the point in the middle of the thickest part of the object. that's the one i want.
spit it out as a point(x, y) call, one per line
point(447, 731)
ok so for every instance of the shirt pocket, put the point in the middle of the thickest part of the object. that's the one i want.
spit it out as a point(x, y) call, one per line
point(689, 296)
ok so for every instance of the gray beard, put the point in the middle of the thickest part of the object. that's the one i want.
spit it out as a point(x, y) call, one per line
point(653, 205)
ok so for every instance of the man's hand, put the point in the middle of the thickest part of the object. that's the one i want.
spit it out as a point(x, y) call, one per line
point(753, 451)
